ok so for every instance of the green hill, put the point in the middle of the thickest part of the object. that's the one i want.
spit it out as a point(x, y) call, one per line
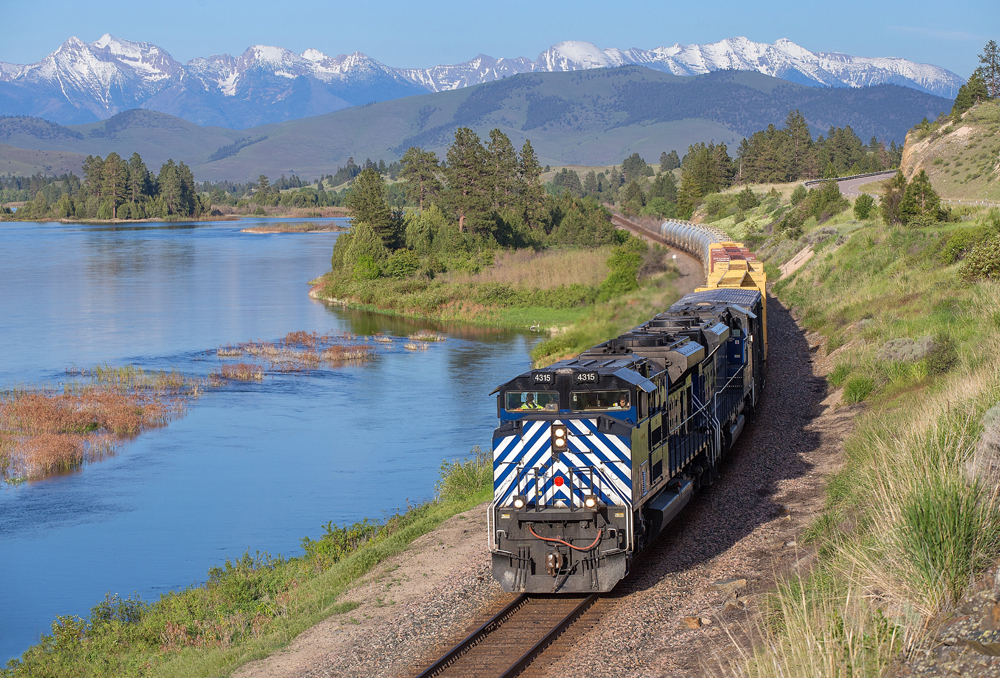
point(593, 117)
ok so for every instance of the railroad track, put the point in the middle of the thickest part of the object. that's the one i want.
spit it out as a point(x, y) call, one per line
point(506, 644)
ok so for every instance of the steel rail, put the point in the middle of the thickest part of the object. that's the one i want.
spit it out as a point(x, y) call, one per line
point(474, 638)
point(483, 632)
point(537, 648)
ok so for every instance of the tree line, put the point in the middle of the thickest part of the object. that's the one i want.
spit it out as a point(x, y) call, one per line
point(483, 196)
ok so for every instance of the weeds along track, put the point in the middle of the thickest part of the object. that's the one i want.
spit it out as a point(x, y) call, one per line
point(513, 638)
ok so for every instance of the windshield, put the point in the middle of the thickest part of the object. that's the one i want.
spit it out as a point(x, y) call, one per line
point(532, 400)
point(600, 400)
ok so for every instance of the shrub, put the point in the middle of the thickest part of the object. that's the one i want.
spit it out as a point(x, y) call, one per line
point(365, 268)
point(747, 199)
point(799, 194)
point(943, 355)
point(982, 262)
point(864, 206)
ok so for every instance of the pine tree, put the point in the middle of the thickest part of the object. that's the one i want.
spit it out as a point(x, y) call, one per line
point(529, 186)
point(92, 175)
point(634, 199)
point(420, 171)
point(971, 93)
point(799, 145)
point(367, 203)
point(590, 183)
point(664, 187)
point(919, 199)
point(892, 196)
point(669, 161)
point(468, 194)
point(171, 188)
point(138, 178)
point(115, 175)
point(503, 168)
point(990, 60)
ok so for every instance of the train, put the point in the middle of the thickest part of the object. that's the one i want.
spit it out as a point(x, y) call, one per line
point(594, 456)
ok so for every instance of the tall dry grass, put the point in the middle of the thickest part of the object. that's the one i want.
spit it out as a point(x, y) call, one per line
point(43, 431)
point(544, 270)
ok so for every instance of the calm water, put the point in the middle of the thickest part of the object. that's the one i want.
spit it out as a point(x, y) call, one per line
point(250, 466)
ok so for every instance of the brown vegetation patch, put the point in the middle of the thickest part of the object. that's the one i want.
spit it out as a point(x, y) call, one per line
point(43, 431)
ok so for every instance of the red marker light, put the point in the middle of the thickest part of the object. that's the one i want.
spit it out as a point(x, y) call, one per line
point(558, 481)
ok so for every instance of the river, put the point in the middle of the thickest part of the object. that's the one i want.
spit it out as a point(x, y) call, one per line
point(251, 466)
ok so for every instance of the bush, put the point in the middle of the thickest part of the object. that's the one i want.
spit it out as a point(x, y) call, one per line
point(982, 262)
point(799, 194)
point(943, 355)
point(747, 199)
point(864, 206)
point(365, 268)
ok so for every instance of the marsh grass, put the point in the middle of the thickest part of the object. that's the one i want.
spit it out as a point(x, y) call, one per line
point(427, 336)
point(416, 346)
point(296, 352)
point(250, 606)
point(44, 431)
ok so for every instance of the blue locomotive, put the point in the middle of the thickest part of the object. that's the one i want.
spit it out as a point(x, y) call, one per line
point(594, 456)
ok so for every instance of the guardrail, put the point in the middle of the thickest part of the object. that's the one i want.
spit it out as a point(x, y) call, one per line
point(813, 182)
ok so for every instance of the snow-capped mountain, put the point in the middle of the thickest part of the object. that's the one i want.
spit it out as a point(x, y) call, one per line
point(84, 82)
point(784, 59)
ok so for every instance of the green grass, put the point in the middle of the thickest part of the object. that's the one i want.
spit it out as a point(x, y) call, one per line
point(912, 518)
point(250, 607)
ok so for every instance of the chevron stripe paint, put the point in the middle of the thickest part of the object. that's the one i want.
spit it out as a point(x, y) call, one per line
point(519, 459)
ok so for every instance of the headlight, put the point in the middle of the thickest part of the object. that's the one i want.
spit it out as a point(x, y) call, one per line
point(519, 502)
point(590, 501)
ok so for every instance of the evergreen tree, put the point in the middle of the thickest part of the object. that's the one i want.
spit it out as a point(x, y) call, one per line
point(590, 183)
point(503, 169)
point(664, 187)
point(634, 199)
point(368, 205)
point(798, 147)
point(138, 179)
point(669, 161)
point(468, 194)
point(971, 93)
point(420, 171)
point(92, 175)
point(919, 199)
point(171, 189)
point(115, 175)
point(892, 196)
point(529, 186)
point(990, 60)
point(633, 167)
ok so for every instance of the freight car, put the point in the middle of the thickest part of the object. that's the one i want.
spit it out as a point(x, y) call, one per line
point(594, 456)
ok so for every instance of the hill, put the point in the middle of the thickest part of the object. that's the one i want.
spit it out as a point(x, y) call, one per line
point(593, 117)
point(962, 157)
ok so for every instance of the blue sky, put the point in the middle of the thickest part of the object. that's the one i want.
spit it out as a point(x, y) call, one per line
point(424, 34)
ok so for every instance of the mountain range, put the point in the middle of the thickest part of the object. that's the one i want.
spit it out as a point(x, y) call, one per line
point(86, 82)
point(593, 117)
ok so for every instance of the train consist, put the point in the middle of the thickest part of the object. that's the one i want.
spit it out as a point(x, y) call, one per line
point(594, 456)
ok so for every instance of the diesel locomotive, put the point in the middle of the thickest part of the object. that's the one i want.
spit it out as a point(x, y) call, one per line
point(594, 456)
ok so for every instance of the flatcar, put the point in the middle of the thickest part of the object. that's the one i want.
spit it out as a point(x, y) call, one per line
point(594, 456)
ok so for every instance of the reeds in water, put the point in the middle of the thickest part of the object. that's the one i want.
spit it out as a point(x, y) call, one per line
point(427, 336)
point(415, 346)
point(237, 372)
point(45, 431)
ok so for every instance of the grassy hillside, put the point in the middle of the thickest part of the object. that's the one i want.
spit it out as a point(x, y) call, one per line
point(22, 162)
point(961, 157)
point(911, 521)
point(157, 137)
point(593, 117)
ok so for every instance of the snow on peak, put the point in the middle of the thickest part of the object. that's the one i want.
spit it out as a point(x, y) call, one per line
point(312, 54)
point(104, 41)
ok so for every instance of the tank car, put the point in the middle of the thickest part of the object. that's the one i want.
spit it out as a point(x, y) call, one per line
point(594, 456)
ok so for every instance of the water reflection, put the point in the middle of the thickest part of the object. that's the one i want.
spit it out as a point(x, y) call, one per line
point(251, 465)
